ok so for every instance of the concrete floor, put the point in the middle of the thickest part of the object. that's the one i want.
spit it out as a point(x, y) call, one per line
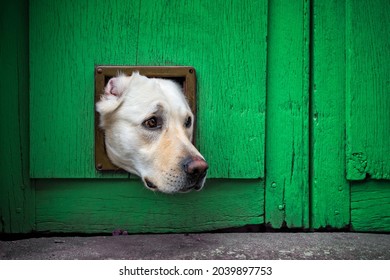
point(203, 246)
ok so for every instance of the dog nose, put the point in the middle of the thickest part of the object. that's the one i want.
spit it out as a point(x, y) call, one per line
point(195, 167)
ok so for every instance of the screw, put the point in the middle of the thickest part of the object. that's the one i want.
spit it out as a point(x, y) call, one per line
point(281, 207)
point(100, 70)
point(100, 166)
point(191, 71)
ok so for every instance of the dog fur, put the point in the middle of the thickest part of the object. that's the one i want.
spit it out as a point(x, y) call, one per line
point(148, 127)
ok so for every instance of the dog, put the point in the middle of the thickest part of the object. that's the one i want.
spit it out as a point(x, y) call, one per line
point(148, 127)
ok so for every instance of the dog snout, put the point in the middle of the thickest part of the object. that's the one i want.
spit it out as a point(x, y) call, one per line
point(195, 167)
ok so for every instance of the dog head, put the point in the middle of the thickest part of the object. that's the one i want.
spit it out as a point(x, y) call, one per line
point(148, 127)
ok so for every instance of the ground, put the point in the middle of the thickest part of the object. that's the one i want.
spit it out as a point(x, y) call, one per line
point(203, 246)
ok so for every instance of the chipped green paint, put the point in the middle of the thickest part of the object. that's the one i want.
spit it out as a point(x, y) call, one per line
point(368, 89)
point(330, 190)
point(357, 166)
point(287, 135)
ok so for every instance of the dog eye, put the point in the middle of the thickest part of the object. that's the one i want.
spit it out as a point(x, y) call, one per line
point(188, 122)
point(153, 123)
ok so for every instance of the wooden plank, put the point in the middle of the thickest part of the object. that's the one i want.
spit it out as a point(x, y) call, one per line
point(330, 193)
point(370, 206)
point(67, 40)
point(98, 206)
point(17, 207)
point(226, 43)
point(287, 124)
point(368, 89)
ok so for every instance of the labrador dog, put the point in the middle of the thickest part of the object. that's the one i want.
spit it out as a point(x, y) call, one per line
point(148, 128)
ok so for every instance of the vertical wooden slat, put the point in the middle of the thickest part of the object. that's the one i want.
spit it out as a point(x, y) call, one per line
point(287, 124)
point(368, 113)
point(368, 89)
point(67, 40)
point(330, 193)
point(17, 197)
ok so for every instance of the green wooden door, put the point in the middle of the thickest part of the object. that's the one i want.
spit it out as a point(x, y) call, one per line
point(227, 44)
point(293, 113)
point(224, 42)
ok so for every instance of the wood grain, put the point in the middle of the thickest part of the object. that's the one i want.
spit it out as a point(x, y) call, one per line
point(370, 206)
point(17, 202)
point(368, 89)
point(287, 133)
point(330, 191)
point(67, 40)
point(101, 206)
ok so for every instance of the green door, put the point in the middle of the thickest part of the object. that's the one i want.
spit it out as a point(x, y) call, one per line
point(293, 113)
point(224, 42)
point(227, 44)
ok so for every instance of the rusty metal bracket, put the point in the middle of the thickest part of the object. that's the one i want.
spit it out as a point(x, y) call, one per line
point(182, 74)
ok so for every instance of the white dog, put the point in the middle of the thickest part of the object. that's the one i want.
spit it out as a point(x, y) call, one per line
point(148, 129)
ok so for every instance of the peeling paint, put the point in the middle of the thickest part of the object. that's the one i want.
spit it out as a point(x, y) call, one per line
point(357, 166)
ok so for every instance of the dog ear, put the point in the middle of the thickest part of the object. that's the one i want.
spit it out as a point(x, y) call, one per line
point(113, 88)
point(110, 100)
point(116, 86)
point(114, 91)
